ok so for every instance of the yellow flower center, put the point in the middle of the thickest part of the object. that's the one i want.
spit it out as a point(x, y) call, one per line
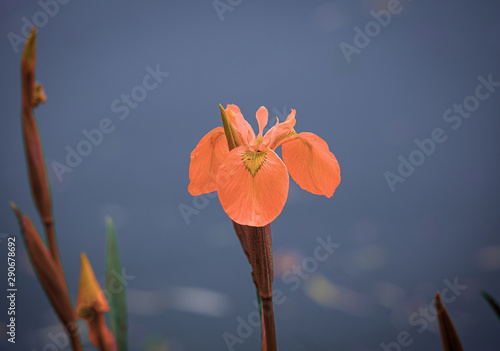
point(253, 160)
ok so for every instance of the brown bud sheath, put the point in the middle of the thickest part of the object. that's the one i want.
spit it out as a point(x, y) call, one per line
point(48, 274)
point(34, 155)
point(449, 335)
point(32, 145)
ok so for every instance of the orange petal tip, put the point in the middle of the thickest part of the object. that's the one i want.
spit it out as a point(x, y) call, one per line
point(90, 296)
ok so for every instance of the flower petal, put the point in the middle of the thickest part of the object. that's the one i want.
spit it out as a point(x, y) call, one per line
point(205, 160)
point(90, 295)
point(310, 163)
point(253, 186)
point(261, 116)
point(277, 134)
point(240, 123)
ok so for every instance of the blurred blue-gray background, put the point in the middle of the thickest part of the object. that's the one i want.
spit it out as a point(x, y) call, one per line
point(370, 77)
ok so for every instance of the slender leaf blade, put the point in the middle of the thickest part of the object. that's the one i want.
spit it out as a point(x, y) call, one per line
point(494, 305)
point(115, 285)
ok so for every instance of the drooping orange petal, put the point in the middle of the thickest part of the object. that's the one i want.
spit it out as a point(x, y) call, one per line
point(310, 163)
point(205, 160)
point(90, 296)
point(277, 134)
point(253, 186)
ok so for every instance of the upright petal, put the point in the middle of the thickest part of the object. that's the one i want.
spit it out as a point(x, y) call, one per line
point(234, 108)
point(310, 163)
point(253, 186)
point(261, 116)
point(240, 123)
point(206, 158)
point(277, 134)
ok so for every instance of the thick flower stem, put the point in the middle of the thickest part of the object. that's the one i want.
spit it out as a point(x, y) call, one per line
point(260, 252)
point(268, 321)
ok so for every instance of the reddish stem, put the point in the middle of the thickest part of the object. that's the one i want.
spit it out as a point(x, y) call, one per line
point(268, 324)
point(260, 252)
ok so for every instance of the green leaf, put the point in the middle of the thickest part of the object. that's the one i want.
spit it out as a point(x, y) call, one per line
point(115, 285)
point(494, 305)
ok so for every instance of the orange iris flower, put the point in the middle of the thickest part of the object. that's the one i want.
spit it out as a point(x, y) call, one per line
point(251, 179)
